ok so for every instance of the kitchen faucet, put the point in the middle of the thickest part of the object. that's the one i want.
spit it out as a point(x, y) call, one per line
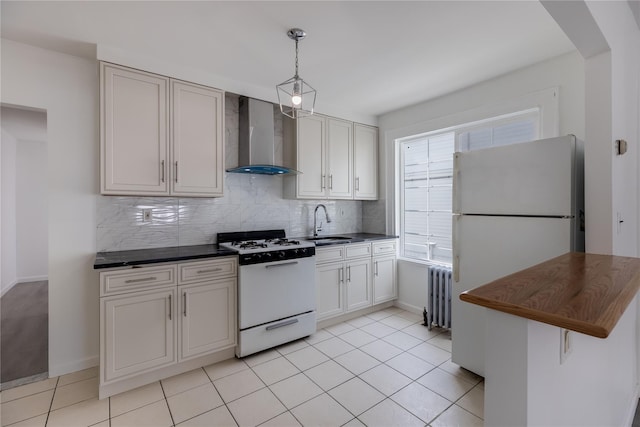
point(315, 215)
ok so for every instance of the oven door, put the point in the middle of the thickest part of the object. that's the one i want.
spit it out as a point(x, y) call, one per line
point(275, 290)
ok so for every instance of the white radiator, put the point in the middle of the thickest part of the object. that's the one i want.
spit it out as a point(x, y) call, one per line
point(438, 312)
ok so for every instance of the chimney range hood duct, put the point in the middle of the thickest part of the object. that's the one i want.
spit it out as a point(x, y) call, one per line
point(256, 149)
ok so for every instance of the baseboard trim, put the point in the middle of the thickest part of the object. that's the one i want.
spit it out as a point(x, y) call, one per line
point(409, 307)
point(67, 368)
point(32, 279)
point(22, 280)
point(8, 288)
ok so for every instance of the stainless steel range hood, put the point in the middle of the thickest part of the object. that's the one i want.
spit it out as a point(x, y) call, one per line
point(256, 148)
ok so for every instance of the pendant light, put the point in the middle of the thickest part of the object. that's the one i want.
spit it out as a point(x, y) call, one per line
point(295, 96)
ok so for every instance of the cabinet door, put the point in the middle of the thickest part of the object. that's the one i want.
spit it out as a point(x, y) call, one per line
point(207, 317)
point(358, 284)
point(138, 333)
point(329, 281)
point(384, 279)
point(133, 134)
point(365, 161)
point(340, 159)
point(311, 160)
point(197, 120)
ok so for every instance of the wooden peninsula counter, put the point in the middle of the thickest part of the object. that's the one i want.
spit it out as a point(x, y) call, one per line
point(536, 373)
point(586, 293)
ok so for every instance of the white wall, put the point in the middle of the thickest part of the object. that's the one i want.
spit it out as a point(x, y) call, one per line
point(617, 23)
point(66, 87)
point(31, 211)
point(527, 384)
point(8, 202)
point(565, 72)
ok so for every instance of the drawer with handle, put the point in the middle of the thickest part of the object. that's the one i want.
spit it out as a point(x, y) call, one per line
point(136, 279)
point(358, 250)
point(384, 248)
point(192, 272)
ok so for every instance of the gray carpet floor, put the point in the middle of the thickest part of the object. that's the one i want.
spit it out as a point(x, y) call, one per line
point(24, 331)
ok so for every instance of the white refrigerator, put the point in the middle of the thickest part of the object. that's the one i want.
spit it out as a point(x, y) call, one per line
point(514, 206)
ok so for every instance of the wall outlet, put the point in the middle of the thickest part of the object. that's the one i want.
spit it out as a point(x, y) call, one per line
point(146, 215)
point(565, 344)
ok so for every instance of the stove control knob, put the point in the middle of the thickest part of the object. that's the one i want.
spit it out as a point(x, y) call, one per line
point(257, 257)
point(303, 251)
point(281, 254)
point(267, 255)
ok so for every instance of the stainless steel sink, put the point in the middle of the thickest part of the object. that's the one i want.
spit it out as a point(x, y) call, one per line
point(329, 239)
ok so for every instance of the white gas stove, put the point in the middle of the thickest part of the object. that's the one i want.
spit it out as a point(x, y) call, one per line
point(276, 288)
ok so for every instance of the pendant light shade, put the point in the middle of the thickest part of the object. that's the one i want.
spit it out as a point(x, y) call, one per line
point(295, 96)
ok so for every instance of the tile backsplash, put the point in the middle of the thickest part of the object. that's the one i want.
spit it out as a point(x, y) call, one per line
point(250, 202)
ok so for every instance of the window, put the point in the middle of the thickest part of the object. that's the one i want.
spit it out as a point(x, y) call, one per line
point(426, 179)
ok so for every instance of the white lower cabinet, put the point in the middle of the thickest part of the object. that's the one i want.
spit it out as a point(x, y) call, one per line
point(349, 277)
point(139, 332)
point(329, 284)
point(207, 317)
point(156, 322)
point(358, 284)
point(385, 287)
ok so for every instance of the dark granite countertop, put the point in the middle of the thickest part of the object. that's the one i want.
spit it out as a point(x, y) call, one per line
point(157, 255)
point(184, 253)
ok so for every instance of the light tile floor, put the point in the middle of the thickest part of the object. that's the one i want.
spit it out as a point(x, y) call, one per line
point(382, 369)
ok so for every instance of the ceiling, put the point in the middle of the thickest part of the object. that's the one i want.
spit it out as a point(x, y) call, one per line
point(365, 58)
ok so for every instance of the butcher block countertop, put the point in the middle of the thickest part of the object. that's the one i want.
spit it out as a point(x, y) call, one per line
point(586, 293)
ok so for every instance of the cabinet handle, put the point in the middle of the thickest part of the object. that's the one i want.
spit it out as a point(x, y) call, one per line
point(376, 265)
point(331, 182)
point(341, 276)
point(281, 265)
point(322, 183)
point(162, 170)
point(170, 307)
point(357, 183)
point(176, 171)
point(282, 324)
point(349, 274)
point(144, 279)
point(384, 248)
point(184, 304)
point(212, 270)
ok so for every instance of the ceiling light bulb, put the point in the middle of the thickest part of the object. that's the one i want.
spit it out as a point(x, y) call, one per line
point(296, 98)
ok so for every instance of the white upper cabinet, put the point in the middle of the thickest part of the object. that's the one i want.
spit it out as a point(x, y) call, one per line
point(198, 159)
point(311, 135)
point(159, 136)
point(134, 132)
point(340, 156)
point(323, 153)
point(324, 150)
point(365, 162)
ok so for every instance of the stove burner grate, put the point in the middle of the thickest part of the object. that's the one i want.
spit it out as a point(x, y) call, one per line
point(249, 245)
point(283, 242)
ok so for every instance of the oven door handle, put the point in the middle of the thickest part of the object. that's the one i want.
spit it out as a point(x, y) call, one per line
point(281, 265)
point(282, 324)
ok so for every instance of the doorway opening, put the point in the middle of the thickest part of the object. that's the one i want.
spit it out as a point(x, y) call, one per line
point(24, 312)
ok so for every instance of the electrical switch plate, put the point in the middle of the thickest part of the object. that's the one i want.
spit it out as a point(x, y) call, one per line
point(565, 344)
point(146, 215)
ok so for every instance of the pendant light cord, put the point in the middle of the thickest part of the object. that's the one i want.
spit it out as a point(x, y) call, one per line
point(296, 76)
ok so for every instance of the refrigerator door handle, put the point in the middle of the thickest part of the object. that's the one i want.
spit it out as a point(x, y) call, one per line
point(455, 193)
point(456, 247)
